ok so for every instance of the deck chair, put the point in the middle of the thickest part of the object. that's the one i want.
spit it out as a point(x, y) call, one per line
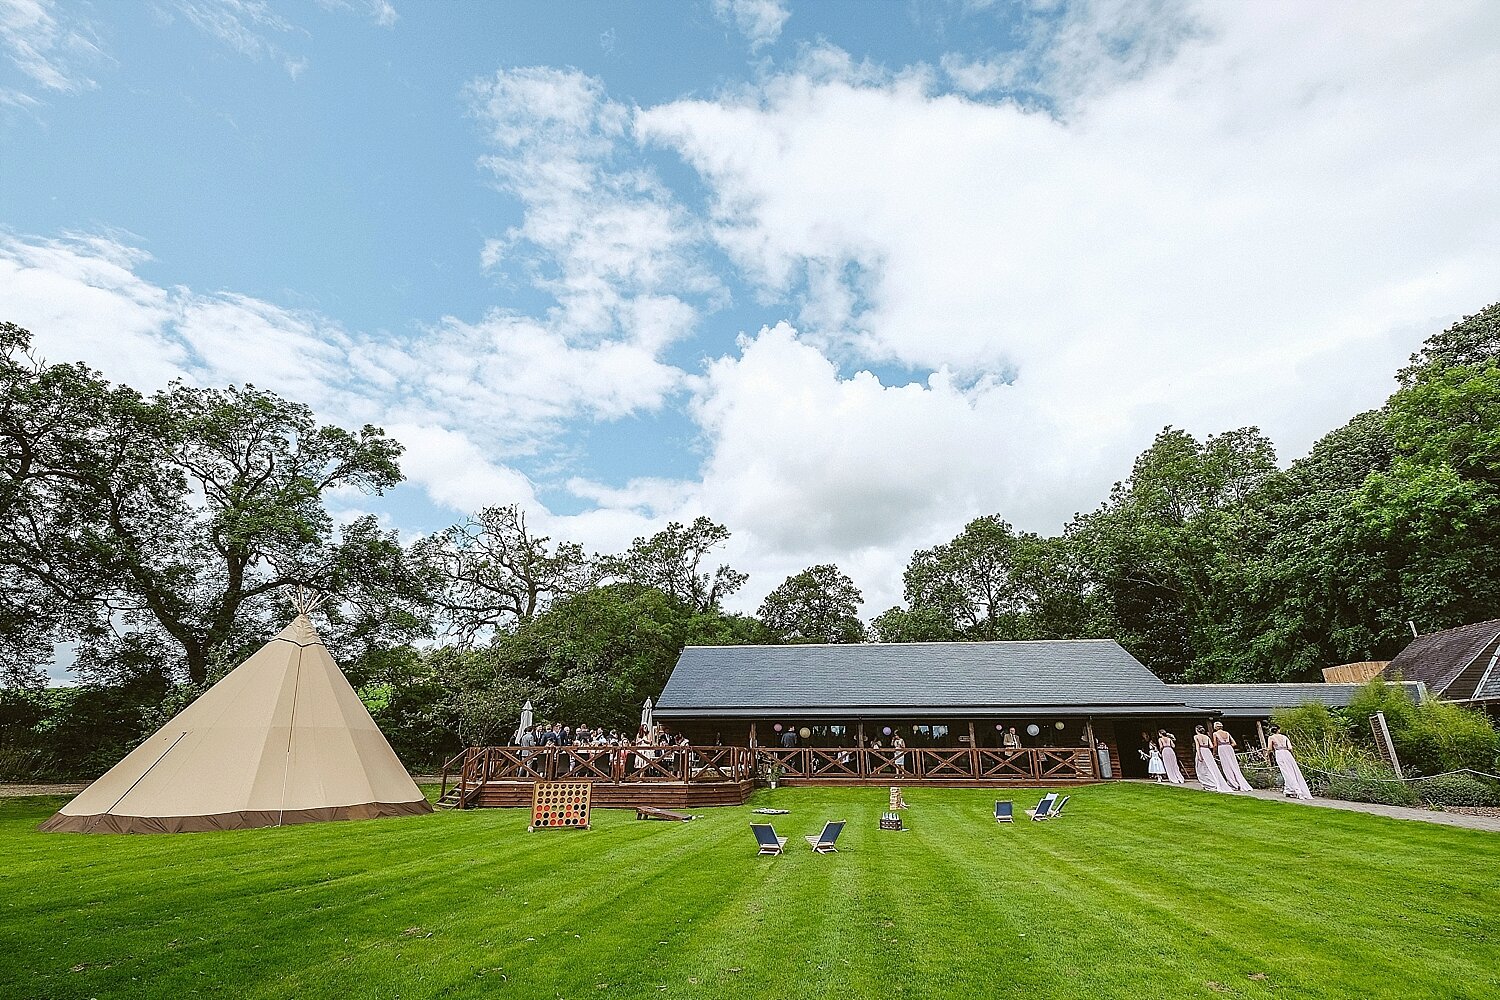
point(1004, 811)
point(765, 836)
point(1043, 808)
point(823, 842)
point(1057, 809)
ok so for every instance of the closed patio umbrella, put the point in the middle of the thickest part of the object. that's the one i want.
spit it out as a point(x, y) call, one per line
point(526, 721)
point(646, 715)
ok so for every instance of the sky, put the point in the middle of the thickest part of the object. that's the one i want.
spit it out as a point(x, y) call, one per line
point(840, 275)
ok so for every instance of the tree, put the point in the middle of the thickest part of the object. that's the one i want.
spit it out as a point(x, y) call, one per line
point(490, 572)
point(166, 527)
point(916, 625)
point(1167, 548)
point(970, 580)
point(1435, 507)
point(50, 420)
point(671, 562)
point(820, 604)
point(1472, 340)
point(1318, 583)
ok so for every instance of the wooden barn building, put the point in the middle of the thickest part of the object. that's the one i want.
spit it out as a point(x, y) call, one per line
point(831, 711)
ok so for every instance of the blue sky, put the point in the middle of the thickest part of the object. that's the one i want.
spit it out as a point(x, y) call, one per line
point(839, 275)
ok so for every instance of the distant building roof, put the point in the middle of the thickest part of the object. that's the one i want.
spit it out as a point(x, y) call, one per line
point(1084, 675)
point(1452, 663)
point(1260, 700)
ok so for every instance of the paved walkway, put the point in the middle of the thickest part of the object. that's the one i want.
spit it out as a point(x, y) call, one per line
point(1489, 823)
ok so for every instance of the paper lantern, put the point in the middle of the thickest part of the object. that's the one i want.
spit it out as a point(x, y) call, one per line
point(804, 732)
point(1033, 729)
point(999, 728)
point(886, 731)
point(777, 727)
point(1057, 725)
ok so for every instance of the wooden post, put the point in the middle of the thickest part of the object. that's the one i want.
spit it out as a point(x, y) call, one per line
point(973, 752)
point(1260, 731)
point(752, 736)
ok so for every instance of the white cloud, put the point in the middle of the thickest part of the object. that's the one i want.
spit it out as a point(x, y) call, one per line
point(49, 48)
point(760, 21)
point(1253, 230)
point(1207, 216)
point(1071, 52)
point(258, 30)
point(599, 231)
point(382, 12)
point(466, 399)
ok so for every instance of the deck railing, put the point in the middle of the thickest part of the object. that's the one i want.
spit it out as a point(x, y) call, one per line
point(1035, 764)
point(477, 766)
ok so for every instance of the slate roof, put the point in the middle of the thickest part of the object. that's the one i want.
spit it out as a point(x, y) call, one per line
point(1489, 686)
point(1084, 675)
point(1437, 659)
point(1259, 700)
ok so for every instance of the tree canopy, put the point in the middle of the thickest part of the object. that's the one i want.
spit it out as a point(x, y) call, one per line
point(819, 604)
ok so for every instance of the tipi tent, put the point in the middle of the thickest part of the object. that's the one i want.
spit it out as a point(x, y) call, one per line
point(282, 739)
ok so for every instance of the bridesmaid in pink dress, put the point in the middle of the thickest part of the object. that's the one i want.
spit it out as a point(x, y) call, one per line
point(1203, 762)
point(1168, 747)
point(1228, 762)
point(1291, 774)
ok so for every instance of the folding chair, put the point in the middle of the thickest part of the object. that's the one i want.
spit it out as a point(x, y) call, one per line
point(765, 836)
point(823, 842)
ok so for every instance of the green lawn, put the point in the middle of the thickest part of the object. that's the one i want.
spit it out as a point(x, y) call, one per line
point(1139, 892)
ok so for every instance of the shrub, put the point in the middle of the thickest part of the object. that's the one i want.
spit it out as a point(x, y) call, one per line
point(1338, 769)
point(1308, 723)
point(1457, 790)
point(1431, 737)
point(1261, 776)
point(1359, 788)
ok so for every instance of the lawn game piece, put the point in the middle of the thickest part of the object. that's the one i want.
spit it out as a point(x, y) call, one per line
point(647, 812)
point(891, 821)
point(561, 804)
point(897, 800)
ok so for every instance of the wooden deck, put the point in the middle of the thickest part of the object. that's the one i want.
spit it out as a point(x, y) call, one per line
point(685, 777)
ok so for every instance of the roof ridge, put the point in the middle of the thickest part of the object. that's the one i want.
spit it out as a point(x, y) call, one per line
point(893, 645)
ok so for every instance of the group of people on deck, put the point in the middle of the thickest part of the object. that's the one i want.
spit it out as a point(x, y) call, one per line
point(1216, 763)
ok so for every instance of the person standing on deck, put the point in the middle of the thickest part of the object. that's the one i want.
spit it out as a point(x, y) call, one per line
point(1203, 762)
point(899, 745)
point(1012, 740)
point(1168, 746)
point(1229, 764)
point(1291, 774)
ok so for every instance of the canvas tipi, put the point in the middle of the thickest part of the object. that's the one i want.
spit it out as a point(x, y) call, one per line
point(282, 739)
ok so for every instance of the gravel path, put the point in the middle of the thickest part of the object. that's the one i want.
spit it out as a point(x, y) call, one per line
point(16, 791)
point(1469, 820)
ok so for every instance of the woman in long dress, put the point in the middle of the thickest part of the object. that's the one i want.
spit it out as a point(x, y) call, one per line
point(1229, 764)
point(1291, 774)
point(1203, 763)
point(1168, 746)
